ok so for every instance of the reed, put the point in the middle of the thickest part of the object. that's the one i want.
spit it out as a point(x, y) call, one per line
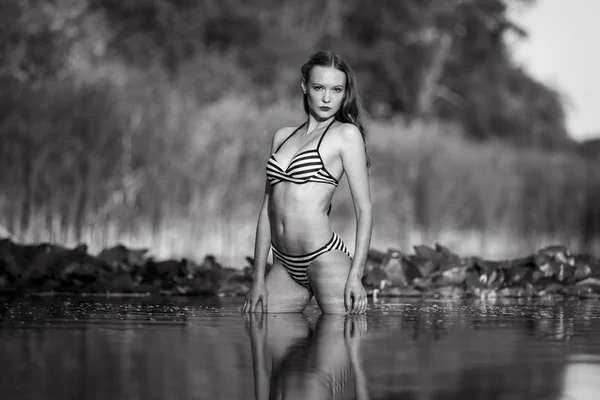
point(200, 177)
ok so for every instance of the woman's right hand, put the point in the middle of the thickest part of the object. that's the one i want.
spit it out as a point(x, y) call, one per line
point(256, 294)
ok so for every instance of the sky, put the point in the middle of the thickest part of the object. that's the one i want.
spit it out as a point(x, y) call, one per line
point(562, 50)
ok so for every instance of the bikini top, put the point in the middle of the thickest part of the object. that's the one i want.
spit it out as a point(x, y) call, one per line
point(305, 166)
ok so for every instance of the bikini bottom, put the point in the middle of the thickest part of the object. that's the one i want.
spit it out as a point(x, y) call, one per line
point(296, 265)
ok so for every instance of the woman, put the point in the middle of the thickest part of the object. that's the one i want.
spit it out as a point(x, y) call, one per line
point(304, 168)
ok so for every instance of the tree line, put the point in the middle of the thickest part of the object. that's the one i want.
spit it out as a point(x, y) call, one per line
point(119, 108)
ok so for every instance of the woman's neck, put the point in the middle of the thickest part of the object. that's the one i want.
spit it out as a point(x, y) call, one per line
point(314, 124)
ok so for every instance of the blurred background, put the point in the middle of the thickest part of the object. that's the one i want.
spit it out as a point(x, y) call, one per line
point(148, 122)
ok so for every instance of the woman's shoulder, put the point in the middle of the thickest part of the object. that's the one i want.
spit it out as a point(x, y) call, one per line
point(347, 131)
point(285, 131)
point(281, 134)
point(347, 138)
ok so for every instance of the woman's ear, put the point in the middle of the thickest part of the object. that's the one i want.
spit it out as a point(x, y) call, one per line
point(303, 85)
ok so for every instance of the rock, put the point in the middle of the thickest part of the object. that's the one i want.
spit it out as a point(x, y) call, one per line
point(556, 252)
point(446, 253)
point(517, 292)
point(85, 268)
point(375, 256)
point(411, 271)
point(492, 274)
point(47, 261)
point(473, 279)
point(550, 288)
point(233, 288)
point(373, 276)
point(210, 262)
point(240, 276)
point(394, 269)
point(170, 272)
point(12, 260)
point(582, 291)
point(455, 276)
point(550, 267)
point(454, 292)
point(84, 272)
point(520, 275)
point(588, 288)
point(121, 283)
point(424, 265)
point(589, 282)
point(198, 286)
point(428, 253)
point(585, 266)
point(122, 257)
point(527, 261)
point(250, 261)
point(48, 285)
point(566, 274)
point(394, 291)
point(552, 272)
point(399, 270)
point(483, 293)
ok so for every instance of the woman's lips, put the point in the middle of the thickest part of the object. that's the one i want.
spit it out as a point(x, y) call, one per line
point(325, 108)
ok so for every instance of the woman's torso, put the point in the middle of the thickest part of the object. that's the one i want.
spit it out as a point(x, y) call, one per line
point(298, 209)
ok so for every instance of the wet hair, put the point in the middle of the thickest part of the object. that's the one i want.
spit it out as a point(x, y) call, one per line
point(351, 108)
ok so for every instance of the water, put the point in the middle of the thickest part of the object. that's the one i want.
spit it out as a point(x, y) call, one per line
point(98, 348)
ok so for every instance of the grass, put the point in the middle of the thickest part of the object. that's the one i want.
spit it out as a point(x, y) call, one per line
point(232, 241)
point(201, 177)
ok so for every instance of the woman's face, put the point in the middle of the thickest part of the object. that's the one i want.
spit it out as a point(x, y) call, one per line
point(325, 91)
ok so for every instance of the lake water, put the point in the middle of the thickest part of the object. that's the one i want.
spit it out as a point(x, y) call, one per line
point(165, 348)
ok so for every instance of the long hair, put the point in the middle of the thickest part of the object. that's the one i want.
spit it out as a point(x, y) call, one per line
point(351, 108)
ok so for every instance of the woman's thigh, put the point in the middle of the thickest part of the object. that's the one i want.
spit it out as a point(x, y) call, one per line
point(327, 276)
point(284, 295)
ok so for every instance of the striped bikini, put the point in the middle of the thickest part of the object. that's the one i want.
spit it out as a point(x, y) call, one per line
point(306, 166)
point(296, 266)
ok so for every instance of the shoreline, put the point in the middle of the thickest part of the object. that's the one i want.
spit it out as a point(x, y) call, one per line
point(47, 270)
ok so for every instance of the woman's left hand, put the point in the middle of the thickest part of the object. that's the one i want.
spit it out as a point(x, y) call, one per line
point(355, 296)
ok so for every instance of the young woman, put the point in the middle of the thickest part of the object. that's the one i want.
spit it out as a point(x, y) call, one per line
point(303, 171)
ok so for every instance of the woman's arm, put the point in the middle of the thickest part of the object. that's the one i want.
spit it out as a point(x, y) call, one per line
point(354, 161)
point(262, 246)
point(262, 242)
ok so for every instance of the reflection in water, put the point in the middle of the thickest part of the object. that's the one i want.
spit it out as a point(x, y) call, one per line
point(164, 348)
point(292, 360)
point(581, 379)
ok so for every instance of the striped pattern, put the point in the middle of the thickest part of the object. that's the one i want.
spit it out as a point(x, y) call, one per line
point(334, 382)
point(300, 361)
point(296, 265)
point(306, 166)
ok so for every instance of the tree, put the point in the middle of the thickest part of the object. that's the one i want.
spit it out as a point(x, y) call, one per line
point(36, 37)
